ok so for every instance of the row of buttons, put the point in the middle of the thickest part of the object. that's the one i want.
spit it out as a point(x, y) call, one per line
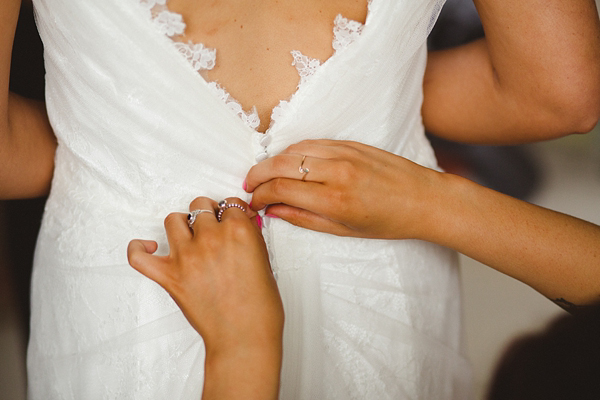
point(263, 142)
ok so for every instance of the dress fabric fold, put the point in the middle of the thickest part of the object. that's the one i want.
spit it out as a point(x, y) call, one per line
point(140, 136)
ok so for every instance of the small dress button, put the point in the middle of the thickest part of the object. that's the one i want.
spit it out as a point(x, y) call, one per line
point(265, 140)
point(262, 156)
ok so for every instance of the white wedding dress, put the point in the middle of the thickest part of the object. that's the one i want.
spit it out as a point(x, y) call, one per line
point(141, 134)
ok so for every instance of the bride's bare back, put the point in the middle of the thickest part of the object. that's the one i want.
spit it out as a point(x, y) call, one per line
point(254, 41)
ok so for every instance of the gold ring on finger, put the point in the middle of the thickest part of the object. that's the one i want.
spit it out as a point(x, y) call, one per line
point(302, 169)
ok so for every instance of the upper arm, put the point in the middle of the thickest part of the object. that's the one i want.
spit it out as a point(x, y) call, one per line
point(535, 76)
point(27, 143)
point(9, 13)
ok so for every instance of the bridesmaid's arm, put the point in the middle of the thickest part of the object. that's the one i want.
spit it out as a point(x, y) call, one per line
point(353, 189)
point(27, 143)
point(535, 76)
point(554, 253)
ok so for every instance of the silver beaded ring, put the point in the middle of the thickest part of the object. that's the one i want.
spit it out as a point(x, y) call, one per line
point(224, 205)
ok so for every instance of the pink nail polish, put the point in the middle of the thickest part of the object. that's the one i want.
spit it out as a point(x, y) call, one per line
point(271, 216)
point(244, 185)
point(259, 222)
point(250, 204)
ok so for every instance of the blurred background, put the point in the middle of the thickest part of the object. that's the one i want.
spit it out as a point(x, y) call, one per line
point(563, 175)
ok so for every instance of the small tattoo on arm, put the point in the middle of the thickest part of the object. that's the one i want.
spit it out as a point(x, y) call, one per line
point(568, 306)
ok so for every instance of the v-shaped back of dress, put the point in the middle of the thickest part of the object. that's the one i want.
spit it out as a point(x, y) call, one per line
point(109, 51)
point(204, 59)
point(141, 136)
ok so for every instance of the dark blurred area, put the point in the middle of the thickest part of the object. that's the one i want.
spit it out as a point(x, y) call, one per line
point(508, 169)
point(22, 217)
point(561, 362)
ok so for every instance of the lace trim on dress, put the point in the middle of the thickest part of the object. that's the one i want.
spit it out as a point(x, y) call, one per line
point(167, 22)
point(345, 32)
point(305, 66)
point(202, 58)
point(250, 118)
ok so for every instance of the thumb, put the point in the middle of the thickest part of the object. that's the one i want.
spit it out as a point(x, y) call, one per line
point(139, 255)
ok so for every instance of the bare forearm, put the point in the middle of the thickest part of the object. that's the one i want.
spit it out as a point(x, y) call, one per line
point(536, 75)
point(554, 253)
point(248, 375)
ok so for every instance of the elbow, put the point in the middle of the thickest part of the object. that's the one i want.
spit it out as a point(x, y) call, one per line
point(564, 101)
point(589, 119)
point(574, 110)
point(578, 119)
point(584, 108)
point(582, 99)
point(591, 124)
point(575, 95)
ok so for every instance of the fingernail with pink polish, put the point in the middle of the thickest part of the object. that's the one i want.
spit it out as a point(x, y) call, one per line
point(244, 185)
point(271, 216)
point(259, 222)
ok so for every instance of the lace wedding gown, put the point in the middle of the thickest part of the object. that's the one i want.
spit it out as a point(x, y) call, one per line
point(141, 134)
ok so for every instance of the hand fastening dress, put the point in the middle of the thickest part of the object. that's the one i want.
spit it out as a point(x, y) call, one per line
point(141, 134)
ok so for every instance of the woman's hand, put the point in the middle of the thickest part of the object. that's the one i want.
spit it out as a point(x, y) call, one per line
point(218, 273)
point(351, 189)
point(356, 190)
